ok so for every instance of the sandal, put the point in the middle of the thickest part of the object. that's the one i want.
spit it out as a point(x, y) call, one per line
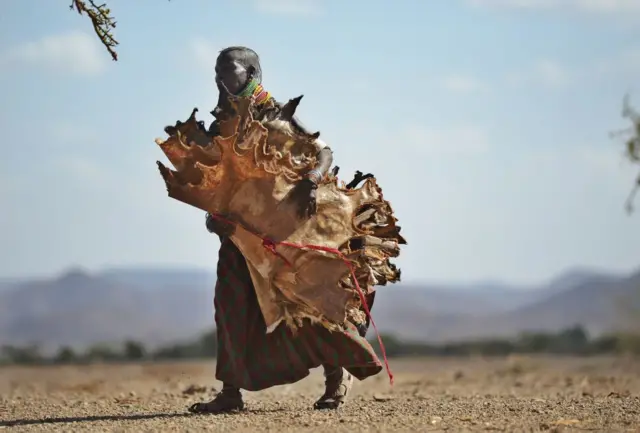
point(226, 401)
point(337, 387)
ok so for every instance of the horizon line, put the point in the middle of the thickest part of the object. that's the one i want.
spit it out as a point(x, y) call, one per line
point(159, 267)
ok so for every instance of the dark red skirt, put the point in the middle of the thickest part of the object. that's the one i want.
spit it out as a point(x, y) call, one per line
point(251, 359)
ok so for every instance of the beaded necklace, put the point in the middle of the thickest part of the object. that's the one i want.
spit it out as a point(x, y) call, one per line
point(255, 89)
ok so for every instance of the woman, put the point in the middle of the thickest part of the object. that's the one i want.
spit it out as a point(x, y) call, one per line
point(248, 357)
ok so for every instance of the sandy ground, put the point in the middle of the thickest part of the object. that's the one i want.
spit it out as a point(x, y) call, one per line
point(513, 394)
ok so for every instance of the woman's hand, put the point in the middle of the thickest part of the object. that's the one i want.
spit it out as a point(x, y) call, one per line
point(304, 196)
point(219, 227)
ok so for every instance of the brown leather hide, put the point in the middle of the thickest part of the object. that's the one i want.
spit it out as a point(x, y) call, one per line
point(246, 174)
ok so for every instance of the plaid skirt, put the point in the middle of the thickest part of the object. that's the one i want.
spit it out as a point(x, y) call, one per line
point(249, 358)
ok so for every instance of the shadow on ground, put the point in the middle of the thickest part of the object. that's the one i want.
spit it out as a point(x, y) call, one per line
point(63, 420)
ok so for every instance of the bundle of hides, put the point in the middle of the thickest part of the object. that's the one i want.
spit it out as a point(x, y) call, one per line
point(246, 174)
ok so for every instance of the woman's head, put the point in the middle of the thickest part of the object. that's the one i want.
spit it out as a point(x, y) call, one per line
point(235, 67)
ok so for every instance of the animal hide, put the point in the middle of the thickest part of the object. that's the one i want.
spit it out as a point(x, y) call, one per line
point(246, 174)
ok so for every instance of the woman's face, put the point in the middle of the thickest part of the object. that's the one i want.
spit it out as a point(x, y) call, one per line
point(231, 73)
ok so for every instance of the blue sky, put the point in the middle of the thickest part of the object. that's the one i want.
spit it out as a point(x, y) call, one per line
point(486, 123)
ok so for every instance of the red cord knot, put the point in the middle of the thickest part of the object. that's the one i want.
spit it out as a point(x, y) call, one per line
point(270, 245)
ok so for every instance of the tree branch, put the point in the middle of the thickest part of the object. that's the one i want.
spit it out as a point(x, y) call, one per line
point(632, 145)
point(102, 20)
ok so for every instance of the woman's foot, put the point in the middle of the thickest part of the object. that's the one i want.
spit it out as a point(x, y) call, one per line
point(338, 383)
point(227, 400)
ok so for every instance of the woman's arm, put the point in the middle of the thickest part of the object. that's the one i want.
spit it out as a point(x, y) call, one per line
point(325, 159)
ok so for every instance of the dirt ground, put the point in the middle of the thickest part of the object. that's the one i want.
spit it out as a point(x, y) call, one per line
point(512, 394)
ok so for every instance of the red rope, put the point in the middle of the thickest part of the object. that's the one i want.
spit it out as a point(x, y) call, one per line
point(271, 245)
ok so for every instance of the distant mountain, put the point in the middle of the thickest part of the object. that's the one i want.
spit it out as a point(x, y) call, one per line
point(157, 278)
point(597, 303)
point(486, 298)
point(80, 309)
point(162, 305)
point(578, 277)
point(7, 284)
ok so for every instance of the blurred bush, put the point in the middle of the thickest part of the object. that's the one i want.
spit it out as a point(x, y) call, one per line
point(570, 341)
